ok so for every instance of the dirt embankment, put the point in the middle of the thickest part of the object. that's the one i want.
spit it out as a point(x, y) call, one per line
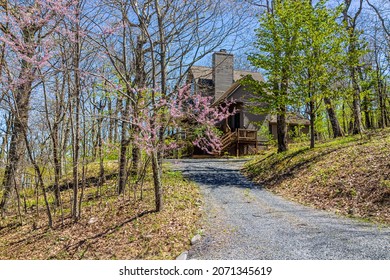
point(350, 176)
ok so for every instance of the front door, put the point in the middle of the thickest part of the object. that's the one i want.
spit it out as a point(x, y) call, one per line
point(235, 121)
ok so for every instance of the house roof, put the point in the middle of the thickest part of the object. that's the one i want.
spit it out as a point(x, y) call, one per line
point(291, 119)
point(204, 72)
point(204, 75)
point(239, 74)
point(227, 93)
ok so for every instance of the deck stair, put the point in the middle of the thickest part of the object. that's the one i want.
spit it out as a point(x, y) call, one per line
point(237, 137)
point(228, 140)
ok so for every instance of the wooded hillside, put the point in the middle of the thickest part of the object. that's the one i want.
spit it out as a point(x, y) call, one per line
point(349, 176)
point(93, 97)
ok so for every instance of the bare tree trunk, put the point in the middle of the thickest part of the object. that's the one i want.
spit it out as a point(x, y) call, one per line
point(350, 23)
point(100, 148)
point(4, 143)
point(345, 128)
point(76, 124)
point(40, 179)
point(312, 111)
point(136, 156)
point(18, 201)
point(3, 45)
point(336, 128)
point(54, 132)
point(312, 120)
point(65, 133)
point(2, 58)
point(110, 122)
point(18, 127)
point(385, 98)
point(94, 140)
point(281, 127)
point(366, 110)
point(83, 178)
point(357, 115)
point(281, 123)
point(140, 82)
point(57, 167)
point(116, 121)
point(163, 69)
point(75, 163)
point(382, 105)
point(123, 149)
point(157, 182)
point(356, 106)
point(366, 102)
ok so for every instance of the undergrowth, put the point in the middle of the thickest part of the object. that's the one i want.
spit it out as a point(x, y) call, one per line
point(111, 226)
point(349, 175)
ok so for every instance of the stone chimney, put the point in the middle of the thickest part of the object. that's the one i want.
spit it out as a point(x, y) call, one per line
point(222, 72)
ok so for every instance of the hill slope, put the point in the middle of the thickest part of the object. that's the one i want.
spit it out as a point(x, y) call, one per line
point(350, 176)
point(111, 226)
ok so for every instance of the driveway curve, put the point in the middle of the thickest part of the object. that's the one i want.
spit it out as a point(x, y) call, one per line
point(245, 221)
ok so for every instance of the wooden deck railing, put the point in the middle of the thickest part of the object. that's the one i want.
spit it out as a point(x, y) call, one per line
point(228, 139)
point(245, 136)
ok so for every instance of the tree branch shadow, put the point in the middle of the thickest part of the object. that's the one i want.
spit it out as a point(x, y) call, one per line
point(76, 246)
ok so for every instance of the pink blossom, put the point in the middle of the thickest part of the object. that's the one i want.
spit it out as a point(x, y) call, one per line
point(170, 112)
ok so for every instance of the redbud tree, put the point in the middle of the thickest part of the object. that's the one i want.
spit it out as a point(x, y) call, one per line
point(27, 30)
point(158, 113)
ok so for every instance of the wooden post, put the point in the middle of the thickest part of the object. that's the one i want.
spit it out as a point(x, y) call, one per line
point(238, 143)
point(256, 142)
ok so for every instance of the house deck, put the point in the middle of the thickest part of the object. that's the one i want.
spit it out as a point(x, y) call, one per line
point(240, 142)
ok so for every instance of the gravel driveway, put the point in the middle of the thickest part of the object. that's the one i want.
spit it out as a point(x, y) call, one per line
point(245, 221)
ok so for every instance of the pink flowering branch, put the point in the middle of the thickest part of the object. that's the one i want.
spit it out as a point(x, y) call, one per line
point(161, 113)
point(26, 30)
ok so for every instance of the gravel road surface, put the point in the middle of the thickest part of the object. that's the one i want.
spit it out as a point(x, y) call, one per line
point(245, 221)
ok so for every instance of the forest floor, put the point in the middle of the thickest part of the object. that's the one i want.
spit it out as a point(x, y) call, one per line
point(110, 227)
point(349, 176)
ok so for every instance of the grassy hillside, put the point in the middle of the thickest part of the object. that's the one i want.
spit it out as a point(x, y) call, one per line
point(350, 176)
point(111, 227)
